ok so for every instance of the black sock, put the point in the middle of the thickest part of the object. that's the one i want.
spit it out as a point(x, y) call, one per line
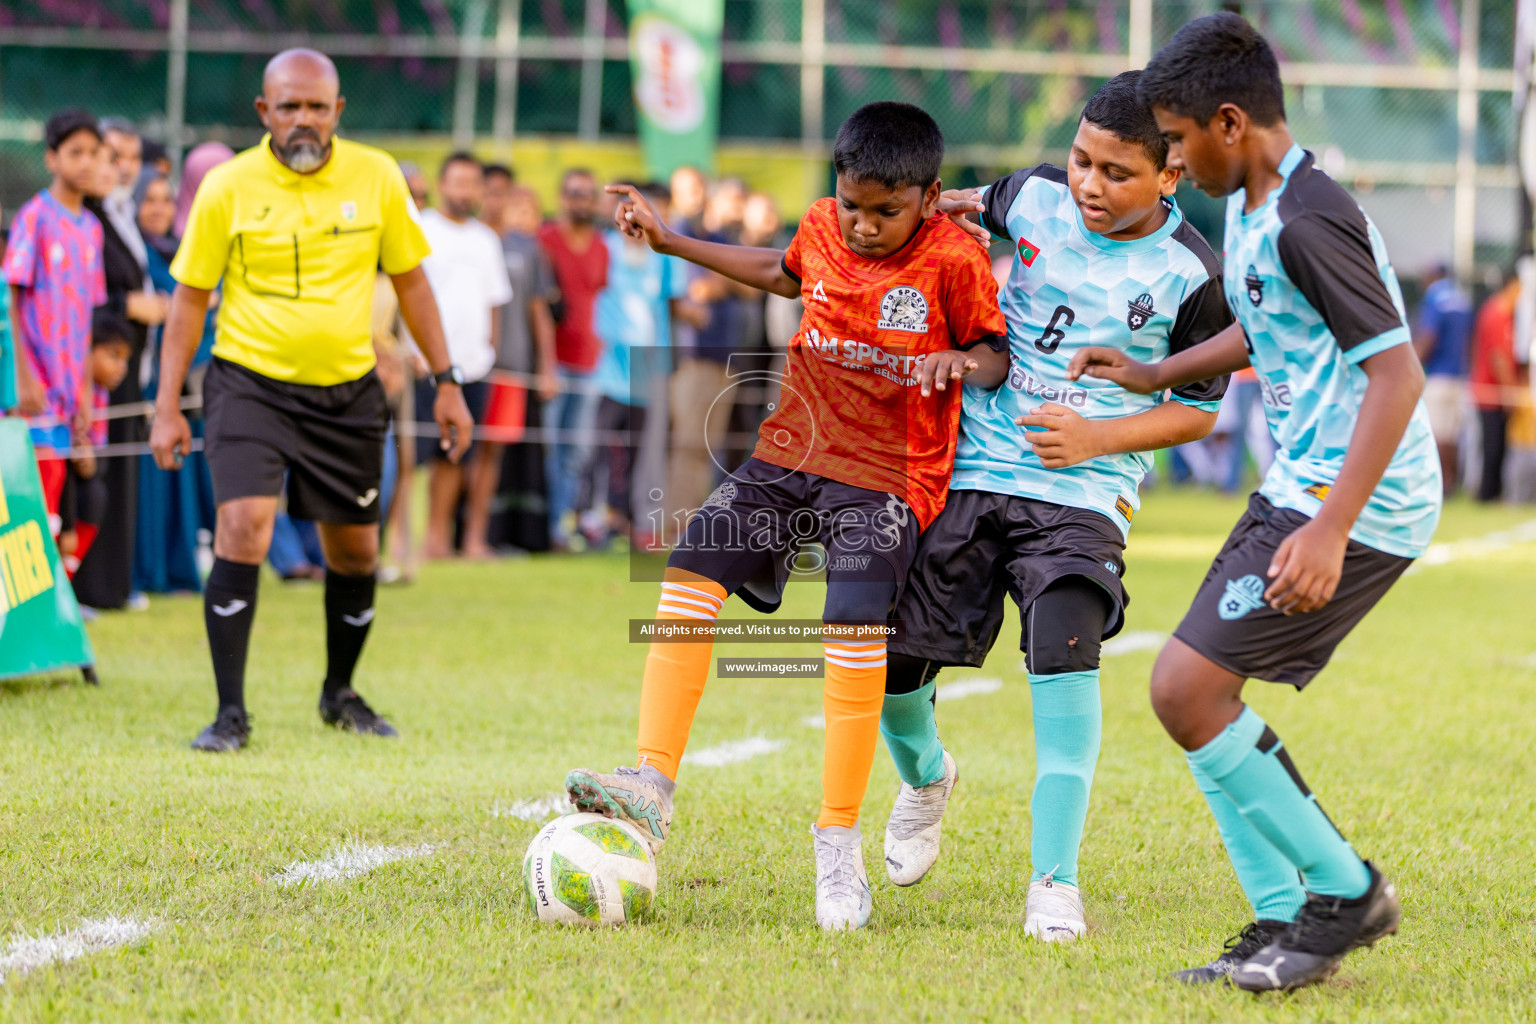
point(348, 614)
point(229, 608)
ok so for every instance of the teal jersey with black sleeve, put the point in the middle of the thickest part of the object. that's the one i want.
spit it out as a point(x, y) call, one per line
point(1309, 279)
point(1069, 288)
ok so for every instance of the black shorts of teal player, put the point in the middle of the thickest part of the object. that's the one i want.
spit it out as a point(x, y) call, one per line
point(1352, 497)
point(1022, 522)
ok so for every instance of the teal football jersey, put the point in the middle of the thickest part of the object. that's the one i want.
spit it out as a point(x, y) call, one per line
point(1309, 279)
point(1069, 288)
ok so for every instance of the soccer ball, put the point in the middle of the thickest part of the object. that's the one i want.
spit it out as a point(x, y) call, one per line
point(588, 869)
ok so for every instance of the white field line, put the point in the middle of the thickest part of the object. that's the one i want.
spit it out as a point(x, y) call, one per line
point(351, 860)
point(736, 750)
point(28, 953)
point(539, 808)
point(1473, 547)
point(814, 721)
point(969, 688)
point(1133, 643)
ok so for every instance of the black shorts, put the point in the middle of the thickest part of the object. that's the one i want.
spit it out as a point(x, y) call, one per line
point(1230, 623)
point(428, 445)
point(985, 545)
point(329, 441)
point(762, 526)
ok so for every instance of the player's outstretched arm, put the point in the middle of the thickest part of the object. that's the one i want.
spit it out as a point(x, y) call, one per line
point(1306, 568)
point(756, 268)
point(1062, 438)
point(1223, 353)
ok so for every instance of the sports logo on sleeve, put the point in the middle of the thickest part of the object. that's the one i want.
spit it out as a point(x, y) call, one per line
point(904, 309)
point(1241, 597)
point(1141, 311)
point(1255, 285)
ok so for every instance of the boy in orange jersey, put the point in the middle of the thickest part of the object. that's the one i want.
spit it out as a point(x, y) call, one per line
point(900, 305)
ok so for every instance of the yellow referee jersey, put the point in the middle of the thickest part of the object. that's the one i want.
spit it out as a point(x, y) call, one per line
point(298, 254)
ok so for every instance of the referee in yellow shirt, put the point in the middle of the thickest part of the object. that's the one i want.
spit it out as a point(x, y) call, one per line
point(296, 229)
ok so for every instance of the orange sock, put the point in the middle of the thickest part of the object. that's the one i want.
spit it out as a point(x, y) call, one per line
point(855, 691)
point(675, 672)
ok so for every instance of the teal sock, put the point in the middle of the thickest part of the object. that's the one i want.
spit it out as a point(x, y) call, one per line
point(1269, 881)
point(912, 735)
point(1068, 725)
point(1250, 765)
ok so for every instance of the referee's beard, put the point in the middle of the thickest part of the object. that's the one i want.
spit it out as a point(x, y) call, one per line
point(302, 151)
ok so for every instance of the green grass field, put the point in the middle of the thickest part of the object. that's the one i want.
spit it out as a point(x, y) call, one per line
point(1418, 739)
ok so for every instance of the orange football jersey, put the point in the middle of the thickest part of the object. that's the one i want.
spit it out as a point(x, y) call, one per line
point(850, 409)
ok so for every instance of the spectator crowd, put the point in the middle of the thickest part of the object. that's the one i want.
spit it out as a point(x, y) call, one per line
point(611, 385)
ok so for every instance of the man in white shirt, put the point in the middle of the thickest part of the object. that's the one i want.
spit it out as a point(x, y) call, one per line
point(469, 279)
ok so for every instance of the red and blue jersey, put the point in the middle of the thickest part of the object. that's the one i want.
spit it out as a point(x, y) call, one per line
point(54, 259)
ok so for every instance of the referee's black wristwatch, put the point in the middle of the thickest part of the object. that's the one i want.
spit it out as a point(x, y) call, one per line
point(452, 375)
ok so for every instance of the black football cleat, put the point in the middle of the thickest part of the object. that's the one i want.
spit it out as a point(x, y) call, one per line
point(1327, 929)
point(230, 731)
point(346, 710)
point(1254, 937)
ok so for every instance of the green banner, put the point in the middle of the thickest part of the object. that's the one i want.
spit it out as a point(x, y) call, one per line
point(674, 53)
point(40, 628)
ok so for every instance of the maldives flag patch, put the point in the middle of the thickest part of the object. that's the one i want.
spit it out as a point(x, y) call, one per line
point(1027, 252)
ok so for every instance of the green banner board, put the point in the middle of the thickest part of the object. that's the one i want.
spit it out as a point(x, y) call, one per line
point(40, 627)
point(674, 54)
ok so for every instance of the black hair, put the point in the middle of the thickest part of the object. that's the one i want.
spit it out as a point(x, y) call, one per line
point(895, 144)
point(1217, 59)
point(66, 123)
point(501, 170)
point(107, 328)
point(657, 191)
point(154, 150)
point(1117, 109)
point(459, 156)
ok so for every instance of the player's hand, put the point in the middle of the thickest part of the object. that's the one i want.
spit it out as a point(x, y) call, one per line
point(1113, 365)
point(85, 465)
point(1306, 568)
point(957, 204)
point(1061, 437)
point(455, 426)
point(170, 438)
point(636, 218)
point(939, 367)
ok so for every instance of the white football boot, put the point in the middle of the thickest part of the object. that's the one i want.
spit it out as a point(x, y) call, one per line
point(912, 834)
point(642, 796)
point(843, 899)
point(1053, 912)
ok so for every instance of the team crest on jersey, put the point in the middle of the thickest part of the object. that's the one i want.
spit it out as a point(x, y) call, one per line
point(1320, 491)
point(1140, 311)
point(1027, 252)
point(349, 211)
point(1242, 596)
point(721, 497)
point(1255, 285)
point(904, 309)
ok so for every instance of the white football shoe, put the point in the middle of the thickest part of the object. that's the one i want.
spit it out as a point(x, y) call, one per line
point(1053, 912)
point(843, 899)
point(912, 834)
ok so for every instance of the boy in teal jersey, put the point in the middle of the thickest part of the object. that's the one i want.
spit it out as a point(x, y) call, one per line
point(1352, 498)
point(1042, 513)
